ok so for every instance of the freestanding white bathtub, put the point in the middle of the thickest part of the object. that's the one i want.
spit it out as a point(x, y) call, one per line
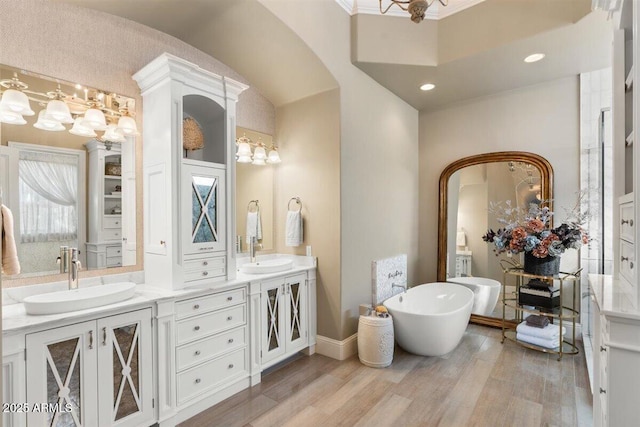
point(430, 319)
point(487, 292)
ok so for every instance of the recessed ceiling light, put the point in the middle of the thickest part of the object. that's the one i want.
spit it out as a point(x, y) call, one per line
point(534, 57)
point(427, 86)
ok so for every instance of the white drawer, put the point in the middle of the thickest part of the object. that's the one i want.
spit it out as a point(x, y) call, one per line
point(191, 354)
point(627, 258)
point(626, 222)
point(114, 261)
point(208, 324)
point(204, 268)
point(206, 303)
point(202, 378)
point(111, 222)
point(112, 234)
point(114, 251)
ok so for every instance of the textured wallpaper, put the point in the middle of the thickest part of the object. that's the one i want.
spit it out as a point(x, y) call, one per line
point(104, 51)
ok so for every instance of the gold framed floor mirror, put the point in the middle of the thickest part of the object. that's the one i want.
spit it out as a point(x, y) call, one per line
point(466, 188)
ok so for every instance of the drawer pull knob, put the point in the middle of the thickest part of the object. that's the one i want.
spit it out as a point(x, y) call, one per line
point(196, 328)
point(230, 340)
point(229, 318)
point(631, 265)
point(603, 391)
point(627, 221)
point(205, 273)
point(197, 380)
point(205, 263)
point(162, 242)
point(197, 353)
point(230, 365)
point(197, 306)
point(229, 298)
point(602, 348)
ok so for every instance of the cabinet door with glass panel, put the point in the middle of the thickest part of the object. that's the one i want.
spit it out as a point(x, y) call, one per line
point(92, 373)
point(284, 317)
point(203, 195)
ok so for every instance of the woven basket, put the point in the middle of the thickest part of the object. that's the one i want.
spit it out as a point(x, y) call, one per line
point(192, 138)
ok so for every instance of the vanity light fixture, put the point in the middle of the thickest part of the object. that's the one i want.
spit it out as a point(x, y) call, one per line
point(427, 86)
point(417, 8)
point(534, 57)
point(95, 111)
point(259, 155)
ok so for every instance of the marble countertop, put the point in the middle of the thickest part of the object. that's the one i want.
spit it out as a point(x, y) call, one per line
point(15, 319)
point(614, 297)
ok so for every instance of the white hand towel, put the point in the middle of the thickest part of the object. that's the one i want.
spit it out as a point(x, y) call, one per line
point(293, 229)
point(254, 226)
point(550, 331)
point(10, 262)
point(542, 342)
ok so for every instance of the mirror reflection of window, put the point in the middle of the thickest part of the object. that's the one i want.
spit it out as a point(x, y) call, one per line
point(48, 194)
point(49, 203)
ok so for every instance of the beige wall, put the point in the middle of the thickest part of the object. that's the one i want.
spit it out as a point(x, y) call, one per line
point(378, 161)
point(308, 132)
point(103, 51)
point(543, 119)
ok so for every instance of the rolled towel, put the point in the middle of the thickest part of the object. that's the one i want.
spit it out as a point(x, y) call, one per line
point(537, 321)
point(550, 331)
point(293, 229)
point(542, 342)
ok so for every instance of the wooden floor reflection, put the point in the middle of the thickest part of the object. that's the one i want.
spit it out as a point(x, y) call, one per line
point(481, 383)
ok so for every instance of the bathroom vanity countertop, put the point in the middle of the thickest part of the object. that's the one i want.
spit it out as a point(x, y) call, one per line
point(613, 297)
point(16, 320)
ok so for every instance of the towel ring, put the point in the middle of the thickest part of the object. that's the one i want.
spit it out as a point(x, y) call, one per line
point(257, 206)
point(297, 200)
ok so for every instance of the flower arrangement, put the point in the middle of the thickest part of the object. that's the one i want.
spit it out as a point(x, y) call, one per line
point(529, 230)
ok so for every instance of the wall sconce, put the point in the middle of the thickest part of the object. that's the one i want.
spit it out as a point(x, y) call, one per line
point(259, 154)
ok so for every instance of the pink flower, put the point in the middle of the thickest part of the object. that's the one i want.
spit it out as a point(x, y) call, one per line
point(535, 225)
point(540, 251)
point(518, 233)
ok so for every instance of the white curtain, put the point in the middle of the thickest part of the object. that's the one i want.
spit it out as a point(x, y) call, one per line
point(48, 188)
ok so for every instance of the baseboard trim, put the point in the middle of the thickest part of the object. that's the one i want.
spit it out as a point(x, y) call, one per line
point(335, 349)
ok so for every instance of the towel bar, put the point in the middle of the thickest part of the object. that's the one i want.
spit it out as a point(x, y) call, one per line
point(256, 203)
point(297, 200)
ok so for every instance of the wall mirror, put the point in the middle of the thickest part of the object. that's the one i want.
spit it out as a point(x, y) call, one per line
point(64, 188)
point(254, 196)
point(466, 188)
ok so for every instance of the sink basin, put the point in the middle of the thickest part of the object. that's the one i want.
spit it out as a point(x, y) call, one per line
point(79, 299)
point(268, 266)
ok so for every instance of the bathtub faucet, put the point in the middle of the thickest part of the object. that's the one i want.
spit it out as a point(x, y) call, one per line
point(404, 287)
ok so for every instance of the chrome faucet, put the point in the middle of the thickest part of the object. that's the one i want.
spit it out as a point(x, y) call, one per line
point(252, 249)
point(63, 259)
point(74, 267)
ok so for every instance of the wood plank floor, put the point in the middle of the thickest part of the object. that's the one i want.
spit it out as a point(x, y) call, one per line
point(481, 383)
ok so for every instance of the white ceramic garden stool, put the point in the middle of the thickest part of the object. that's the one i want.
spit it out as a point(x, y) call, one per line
point(375, 341)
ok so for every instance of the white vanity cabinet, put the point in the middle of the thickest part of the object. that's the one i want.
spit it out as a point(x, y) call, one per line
point(211, 343)
point(284, 325)
point(189, 189)
point(616, 375)
point(97, 372)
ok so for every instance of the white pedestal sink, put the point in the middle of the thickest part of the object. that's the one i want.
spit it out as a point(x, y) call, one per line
point(79, 299)
point(267, 266)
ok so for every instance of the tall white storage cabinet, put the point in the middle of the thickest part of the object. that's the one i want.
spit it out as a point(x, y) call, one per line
point(188, 195)
point(104, 245)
